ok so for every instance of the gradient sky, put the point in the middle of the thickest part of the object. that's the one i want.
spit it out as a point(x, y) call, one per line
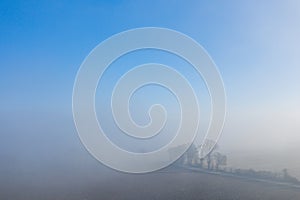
point(255, 44)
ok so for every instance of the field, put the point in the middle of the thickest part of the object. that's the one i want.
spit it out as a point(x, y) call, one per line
point(166, 184)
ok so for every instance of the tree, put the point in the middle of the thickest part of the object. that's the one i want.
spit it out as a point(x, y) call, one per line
point(192, 154)
point(208, 160)
point(201, 162)
point(206, 151)
point(219, 159)
point(285, 173)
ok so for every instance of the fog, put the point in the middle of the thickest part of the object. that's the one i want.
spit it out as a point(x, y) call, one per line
point(255, 45)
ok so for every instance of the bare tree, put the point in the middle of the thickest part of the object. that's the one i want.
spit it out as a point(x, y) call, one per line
point(192, 154)
point(201, 162)
point(206, 151)
point(209, 161)
point(219, 159)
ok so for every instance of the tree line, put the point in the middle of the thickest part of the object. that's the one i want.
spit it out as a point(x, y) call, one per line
point(216, 161)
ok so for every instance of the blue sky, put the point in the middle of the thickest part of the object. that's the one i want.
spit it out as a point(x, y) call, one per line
point(254, 44)
point(42, 43)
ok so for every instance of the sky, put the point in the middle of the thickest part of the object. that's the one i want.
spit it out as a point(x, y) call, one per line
point(255, 45)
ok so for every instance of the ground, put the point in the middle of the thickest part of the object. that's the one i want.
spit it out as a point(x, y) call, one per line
point(166, 184)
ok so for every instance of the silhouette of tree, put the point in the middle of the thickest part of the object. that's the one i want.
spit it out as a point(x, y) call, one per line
point(219, 159)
